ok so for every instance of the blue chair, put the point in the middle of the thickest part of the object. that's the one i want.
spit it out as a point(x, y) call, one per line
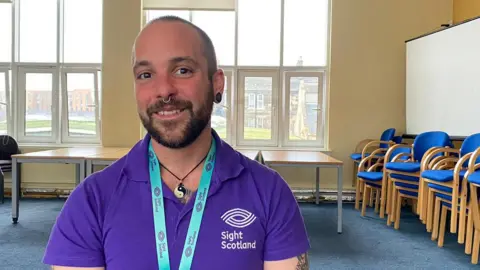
point(365, 148)
point(443, 179)
point(372, 179)
point(472, 176)
point(405, 175)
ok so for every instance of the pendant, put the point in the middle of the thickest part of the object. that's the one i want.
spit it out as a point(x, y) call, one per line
point(180, 191)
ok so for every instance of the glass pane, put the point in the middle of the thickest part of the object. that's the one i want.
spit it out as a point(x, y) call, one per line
point(83, 38)
point(3, 103)
point(153, 14)
point(258, 119)
point(302, 44)
point(38, 118)
point(81, 104)
point(303, 104)
point(38, 31)
point(5, 32)
point(219, 115)
point(259, 32)
point(220, 27)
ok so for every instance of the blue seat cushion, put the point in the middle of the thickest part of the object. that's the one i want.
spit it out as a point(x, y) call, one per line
point(373, 185)
point(411, 167)
point(444, 196)
point(440, 187)
point(441, 175)
point(410, 193)
point(358, 156)
point(474, 178)
point(404, 177)
point(371, 176)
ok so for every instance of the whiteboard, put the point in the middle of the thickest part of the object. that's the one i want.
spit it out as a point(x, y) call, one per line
point(443, 81)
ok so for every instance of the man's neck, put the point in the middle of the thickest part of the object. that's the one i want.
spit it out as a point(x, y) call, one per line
point(181, 161)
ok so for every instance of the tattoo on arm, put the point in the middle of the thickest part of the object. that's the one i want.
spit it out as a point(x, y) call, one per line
point(302, 262)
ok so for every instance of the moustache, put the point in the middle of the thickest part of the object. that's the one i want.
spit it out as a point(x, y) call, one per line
point(174, 104)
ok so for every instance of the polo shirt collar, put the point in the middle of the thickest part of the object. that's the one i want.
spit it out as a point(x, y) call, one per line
point(227, 162)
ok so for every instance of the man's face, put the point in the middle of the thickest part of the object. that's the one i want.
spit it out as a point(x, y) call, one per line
point(169, 62)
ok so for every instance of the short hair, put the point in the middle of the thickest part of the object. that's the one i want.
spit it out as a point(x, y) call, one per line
point(208, 48)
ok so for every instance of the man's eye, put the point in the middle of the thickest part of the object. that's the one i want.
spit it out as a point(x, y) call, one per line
point(145, 75)
point(183, 71)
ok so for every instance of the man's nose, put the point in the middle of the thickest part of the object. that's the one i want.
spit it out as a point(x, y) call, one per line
point(164, 87)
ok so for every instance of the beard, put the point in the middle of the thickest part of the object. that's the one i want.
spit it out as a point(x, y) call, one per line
point(178, 133)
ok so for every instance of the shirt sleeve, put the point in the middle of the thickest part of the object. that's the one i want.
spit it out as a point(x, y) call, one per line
point(76, 237)
point(286, 233)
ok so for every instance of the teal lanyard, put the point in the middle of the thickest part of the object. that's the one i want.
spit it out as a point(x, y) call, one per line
point(197, 212)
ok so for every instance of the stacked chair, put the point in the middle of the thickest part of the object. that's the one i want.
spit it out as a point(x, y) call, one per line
point(432, 174)
point(375, 149)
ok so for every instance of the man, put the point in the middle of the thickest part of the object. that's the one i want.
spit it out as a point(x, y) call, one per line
point(181, 198)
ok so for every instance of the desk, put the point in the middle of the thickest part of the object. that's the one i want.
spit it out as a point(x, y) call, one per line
point(105, 158)
point(63, 155)
point(251, 154)
point(316, 160)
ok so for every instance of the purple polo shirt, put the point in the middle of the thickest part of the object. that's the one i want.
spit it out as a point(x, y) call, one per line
point(251, 216)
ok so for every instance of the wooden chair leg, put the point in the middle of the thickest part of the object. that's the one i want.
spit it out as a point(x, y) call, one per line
point(398, 210)
point(357, 194)
point(377, 200)
point(391, 215)
point(383, 198)
point(443, 223)
point(476, 244)
point(366, 191)
point(431, 196)
point(388, 207)
point(469, 236)
point(462, 220)
point(436, 219)
point(370, 203)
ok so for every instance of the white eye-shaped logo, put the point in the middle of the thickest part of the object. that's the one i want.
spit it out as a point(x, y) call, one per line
point(238, 218)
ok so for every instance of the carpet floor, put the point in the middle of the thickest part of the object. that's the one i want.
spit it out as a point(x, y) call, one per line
point(366, 242)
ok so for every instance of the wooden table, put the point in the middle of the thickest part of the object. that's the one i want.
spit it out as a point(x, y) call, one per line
point(316, 160)
point(73, 155)
point(106, 158)
point(251, 154)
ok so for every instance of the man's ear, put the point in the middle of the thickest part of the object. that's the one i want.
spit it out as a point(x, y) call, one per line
point(218, 82)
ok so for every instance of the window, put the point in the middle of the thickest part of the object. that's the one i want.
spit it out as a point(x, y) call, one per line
point(259, 26)
point(56, 71)
point(276, 67)
point(5, 32)
point(82, 37)
point(4, 101)
point(38, 31)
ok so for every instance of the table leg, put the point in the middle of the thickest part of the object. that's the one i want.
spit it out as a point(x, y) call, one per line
point(80, 172)
point(317, 182)
point(15, 189)
point(88, 168)
point(339, 198)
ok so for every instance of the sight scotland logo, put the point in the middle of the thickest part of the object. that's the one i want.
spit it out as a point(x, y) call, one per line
point(238, 218)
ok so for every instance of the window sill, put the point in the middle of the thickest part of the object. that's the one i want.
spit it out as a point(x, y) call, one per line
point(298, 149)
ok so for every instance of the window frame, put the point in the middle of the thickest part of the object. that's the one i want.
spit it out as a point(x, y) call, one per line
point(21, 104)
point(8, 115)
point(241, 75)
point(285, 123)
point(66, 138)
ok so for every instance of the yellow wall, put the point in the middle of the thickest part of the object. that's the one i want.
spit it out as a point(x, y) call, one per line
point(367, 80)
point(465, 9)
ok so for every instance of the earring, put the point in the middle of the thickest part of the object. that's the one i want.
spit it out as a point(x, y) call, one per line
point(218, 97)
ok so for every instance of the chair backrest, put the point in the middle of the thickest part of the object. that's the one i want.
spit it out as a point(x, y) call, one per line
point(398, 151)
point(427, 140)
point(470, 144)
point(8, 147)
point(397, 139)
point(387, 135)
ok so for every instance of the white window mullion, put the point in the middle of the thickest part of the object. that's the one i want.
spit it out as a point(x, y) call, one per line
point(5, 100)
